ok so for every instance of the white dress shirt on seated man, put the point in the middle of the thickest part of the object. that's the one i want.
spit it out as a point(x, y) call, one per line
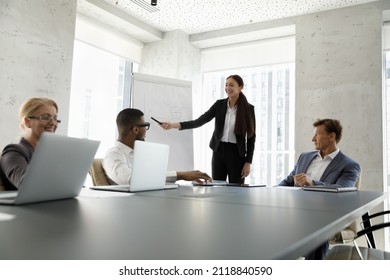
point(118, 165)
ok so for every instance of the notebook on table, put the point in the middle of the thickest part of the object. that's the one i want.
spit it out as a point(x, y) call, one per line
point(216, 183)
point(330, 189)
point(57, 170)
point(150, 163)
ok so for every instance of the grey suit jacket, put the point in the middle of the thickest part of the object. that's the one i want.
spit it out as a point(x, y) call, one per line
point(342, 171)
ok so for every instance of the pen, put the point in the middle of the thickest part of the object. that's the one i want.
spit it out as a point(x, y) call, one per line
point(156, 121)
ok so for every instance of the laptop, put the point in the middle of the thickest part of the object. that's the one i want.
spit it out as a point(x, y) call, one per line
point(57, 170)
point(149, 172)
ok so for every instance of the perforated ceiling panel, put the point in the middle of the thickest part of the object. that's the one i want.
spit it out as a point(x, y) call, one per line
point(195, 16)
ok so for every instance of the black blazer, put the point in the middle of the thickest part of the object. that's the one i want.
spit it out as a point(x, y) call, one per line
point(245, 146)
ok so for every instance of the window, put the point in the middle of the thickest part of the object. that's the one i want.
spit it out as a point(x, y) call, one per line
point(271, 90)
point(100, 89)
point(386, 108)
point(387, 156)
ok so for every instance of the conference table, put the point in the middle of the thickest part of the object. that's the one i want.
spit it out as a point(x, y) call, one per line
point(200, 223)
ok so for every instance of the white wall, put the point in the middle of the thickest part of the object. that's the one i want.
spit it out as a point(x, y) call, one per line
point(36, 41)
point(174, 57)
point(99, 36)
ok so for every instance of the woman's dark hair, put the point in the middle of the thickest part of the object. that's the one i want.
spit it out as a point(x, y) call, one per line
point(245, 124)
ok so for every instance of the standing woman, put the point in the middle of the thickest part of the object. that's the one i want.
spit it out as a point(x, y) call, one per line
point(233, 140)
point(37, 115)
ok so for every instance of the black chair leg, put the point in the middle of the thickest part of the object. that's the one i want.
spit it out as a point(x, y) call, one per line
point(367, 224)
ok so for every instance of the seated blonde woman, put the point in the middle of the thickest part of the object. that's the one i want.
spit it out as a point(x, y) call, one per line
point(37, 115)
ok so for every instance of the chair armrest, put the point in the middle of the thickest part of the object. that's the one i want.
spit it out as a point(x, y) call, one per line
point(372, 229)
point(376, 215)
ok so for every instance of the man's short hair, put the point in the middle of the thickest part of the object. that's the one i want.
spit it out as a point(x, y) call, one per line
point(331, 125)
point(127, 118)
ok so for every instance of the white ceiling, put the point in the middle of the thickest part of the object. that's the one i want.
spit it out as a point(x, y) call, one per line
point(196, 16)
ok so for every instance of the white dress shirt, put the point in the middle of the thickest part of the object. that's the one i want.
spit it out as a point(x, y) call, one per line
point(228, 135)
point(318, 165)
point(118, 164)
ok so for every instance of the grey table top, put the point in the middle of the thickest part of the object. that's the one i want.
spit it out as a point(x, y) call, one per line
point(185, 223)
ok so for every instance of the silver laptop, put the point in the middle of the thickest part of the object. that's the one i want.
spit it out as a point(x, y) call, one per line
point(57, 170)
point(149, 172)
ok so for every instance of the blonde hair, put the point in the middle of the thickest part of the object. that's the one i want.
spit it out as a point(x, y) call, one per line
point(32, 105)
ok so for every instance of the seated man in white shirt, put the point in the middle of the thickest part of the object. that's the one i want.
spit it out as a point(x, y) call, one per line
point(118, 161)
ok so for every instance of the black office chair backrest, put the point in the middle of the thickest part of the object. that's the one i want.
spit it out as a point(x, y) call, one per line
point(345, 252)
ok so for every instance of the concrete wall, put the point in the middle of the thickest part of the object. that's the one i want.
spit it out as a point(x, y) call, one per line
point(174, 57)
point(36, 42)
point(339, 75)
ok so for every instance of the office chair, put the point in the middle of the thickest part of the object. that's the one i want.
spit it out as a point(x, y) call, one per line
point(347, 234)
point(345, 252)
point(98, 175)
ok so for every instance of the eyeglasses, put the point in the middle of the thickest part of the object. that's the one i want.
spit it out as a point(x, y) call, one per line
point(146, 125)
point(45, 118)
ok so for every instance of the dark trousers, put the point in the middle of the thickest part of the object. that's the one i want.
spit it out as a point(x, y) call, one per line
point(319, 253)
point(226, 162)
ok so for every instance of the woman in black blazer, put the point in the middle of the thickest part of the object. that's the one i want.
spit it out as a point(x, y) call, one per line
point(233, 140)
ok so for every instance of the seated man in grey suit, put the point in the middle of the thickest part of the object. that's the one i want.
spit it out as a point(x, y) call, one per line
point(325, 166)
